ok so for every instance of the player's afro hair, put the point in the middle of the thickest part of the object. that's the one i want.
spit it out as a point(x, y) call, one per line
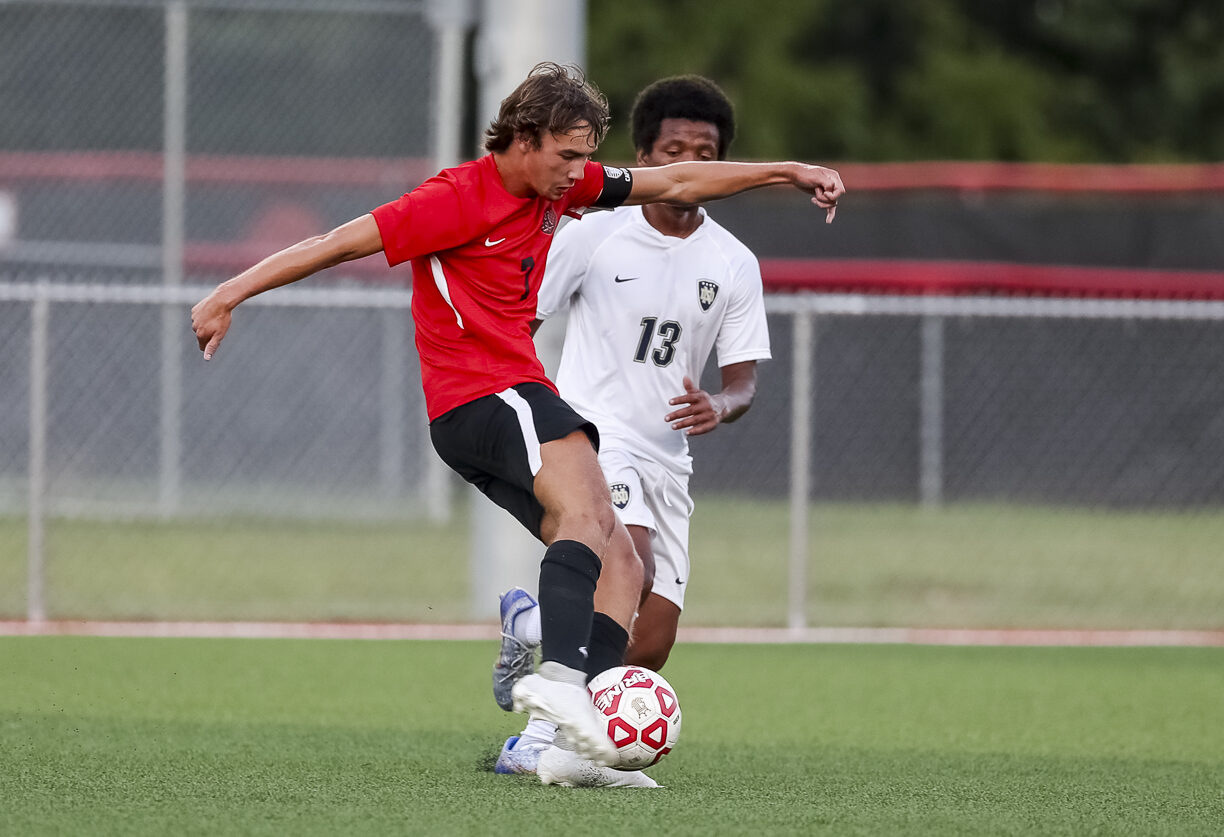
point(552, 98)
point(682, 97)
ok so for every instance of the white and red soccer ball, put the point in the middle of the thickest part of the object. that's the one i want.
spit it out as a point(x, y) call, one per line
point(641, 711)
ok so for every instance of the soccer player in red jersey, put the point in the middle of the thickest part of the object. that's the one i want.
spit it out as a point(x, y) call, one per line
point(477, 237)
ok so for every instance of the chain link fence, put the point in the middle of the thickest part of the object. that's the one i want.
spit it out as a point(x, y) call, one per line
point(971, 462)
point(965, 461)
point(94, 93)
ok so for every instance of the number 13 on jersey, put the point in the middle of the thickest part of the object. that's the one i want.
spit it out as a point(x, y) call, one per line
point(668, 332)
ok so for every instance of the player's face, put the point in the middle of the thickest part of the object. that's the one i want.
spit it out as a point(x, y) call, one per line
point(680, 140)
point(559, 162)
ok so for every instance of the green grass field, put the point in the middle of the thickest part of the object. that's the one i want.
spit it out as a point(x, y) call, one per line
point(220, 737)
point(869, 565)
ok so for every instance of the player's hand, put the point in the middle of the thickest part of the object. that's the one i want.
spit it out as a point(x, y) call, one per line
point(210, 320)
point(701, 412)
point(825, 185)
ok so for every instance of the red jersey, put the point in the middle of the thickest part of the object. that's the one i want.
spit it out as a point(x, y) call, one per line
point(478, 254)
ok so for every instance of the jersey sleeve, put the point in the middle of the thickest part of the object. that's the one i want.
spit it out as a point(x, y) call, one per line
point(744, 334)
point(429, 219)
point(563, 273)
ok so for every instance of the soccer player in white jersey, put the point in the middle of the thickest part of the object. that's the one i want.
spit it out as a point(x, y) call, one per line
point(651, 291)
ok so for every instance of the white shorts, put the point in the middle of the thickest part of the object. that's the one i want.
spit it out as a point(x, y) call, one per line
point(649, 495)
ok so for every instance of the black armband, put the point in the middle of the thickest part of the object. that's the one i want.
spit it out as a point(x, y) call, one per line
point(616, 187)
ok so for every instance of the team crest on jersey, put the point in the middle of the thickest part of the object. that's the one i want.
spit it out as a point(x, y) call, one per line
point(620, 495)
point(549, 223)
point(707, 292)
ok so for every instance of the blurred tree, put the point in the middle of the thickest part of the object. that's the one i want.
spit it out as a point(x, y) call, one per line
point(1053, 80)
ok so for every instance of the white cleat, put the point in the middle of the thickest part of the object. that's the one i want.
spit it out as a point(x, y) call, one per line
point(558, 766)
point(552, 695)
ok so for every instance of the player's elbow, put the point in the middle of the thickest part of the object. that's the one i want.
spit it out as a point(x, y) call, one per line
point(682, 193)
point(334, 248)
point(671, 184)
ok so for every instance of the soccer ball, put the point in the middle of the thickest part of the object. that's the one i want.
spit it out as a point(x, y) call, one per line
point(641, 711)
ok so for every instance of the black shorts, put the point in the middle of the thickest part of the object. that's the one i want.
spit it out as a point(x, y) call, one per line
point(494, 443)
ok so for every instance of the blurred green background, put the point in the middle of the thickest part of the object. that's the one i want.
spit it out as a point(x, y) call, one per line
point(874, 80)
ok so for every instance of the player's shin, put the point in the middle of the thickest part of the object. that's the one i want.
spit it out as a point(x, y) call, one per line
point(568, 575)
point(607, 646)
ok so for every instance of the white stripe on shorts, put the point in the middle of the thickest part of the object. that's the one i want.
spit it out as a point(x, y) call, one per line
point(527, 424)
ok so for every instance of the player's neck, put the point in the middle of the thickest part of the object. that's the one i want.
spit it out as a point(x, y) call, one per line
point(674, 221)
point(513, 174)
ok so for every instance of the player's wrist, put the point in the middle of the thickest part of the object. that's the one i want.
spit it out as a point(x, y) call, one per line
point(230, 294)
point(793, 172)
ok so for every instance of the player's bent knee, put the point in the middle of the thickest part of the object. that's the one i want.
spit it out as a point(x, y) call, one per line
point(641, 545)
point(585, 522)
point(621, 551)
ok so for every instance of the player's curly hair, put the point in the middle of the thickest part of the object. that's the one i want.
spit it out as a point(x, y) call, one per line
point(682, 97)
point(552, 98)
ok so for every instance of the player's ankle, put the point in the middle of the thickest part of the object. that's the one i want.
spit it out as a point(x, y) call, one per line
point(526, 627)
point(553, 670)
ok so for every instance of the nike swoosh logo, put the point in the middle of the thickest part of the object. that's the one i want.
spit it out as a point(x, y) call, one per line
point(491, 243)
point(626, 279)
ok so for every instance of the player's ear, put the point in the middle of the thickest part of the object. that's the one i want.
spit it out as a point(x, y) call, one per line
point(526, 141)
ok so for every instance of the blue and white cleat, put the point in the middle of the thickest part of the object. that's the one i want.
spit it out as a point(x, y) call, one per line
point(518, 756)
point(516, 659)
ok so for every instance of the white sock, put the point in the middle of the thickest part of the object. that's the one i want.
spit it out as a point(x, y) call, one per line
point(538, 731)
point(559, 673)
point(526, 627)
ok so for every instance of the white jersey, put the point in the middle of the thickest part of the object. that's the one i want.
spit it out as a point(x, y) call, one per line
point(645, 311)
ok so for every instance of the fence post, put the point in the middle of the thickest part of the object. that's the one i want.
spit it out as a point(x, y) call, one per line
point(930, 432)
point(174, 325)
point(40, 315)
point(451, 20)
point(393, 398)
point(800, 467)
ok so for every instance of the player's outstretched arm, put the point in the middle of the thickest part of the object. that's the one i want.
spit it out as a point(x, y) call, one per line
point(700, 412)
point(696, 182)
point(210, 318)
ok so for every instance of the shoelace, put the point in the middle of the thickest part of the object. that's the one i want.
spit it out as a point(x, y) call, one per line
point(516, 661)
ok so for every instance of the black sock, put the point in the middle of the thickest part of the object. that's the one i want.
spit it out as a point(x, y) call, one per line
point(568, 575)
point(607, 646)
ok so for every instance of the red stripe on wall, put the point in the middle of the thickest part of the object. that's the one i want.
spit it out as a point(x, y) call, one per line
point(212, 168)
point(962, 278)
point(859, 276)
point(969, 176)
point(1039, 177)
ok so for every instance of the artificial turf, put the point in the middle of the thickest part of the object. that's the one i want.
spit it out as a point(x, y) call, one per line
point(180, 736)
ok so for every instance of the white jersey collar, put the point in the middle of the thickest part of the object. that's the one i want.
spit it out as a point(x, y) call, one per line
point(670, 240)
